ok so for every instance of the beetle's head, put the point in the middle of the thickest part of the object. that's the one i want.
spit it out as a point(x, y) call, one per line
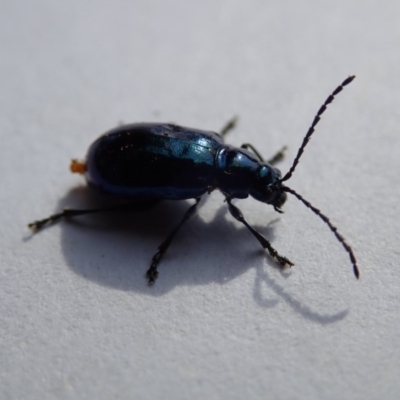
point(267, 187)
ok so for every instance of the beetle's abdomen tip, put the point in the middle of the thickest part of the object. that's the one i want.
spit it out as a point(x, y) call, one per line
point(77, 167)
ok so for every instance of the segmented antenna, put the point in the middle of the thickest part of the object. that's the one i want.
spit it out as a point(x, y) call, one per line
point(333, 228)
point(314, 123)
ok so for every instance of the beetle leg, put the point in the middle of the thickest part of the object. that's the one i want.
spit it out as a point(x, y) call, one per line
point(253, 149)
point(278, 156)
point(67, 213)
point(237, 214)
point(231, 124)
point(152, 272)
point(273, 160)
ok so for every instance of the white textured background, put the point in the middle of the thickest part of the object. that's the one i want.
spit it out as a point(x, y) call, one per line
point(222, 322)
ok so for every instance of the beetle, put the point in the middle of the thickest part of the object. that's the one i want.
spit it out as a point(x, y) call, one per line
point(155, 161)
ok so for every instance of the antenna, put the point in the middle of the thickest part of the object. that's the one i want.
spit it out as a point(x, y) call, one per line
point(314, 124)
point(288, 175)
point(332, 227)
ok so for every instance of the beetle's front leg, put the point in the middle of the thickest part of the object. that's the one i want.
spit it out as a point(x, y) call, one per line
point(273, 160)
point(237, 214)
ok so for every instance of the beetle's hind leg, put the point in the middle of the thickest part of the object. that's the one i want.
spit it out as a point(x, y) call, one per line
point(67, 213)
point(152, 272)
point(237, 214)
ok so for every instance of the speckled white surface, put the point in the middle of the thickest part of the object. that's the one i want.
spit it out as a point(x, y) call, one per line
point(77, 319)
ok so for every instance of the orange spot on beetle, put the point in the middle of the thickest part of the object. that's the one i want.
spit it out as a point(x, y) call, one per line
point(78, 167)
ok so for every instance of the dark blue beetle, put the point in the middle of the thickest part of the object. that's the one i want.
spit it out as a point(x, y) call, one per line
point(165, 161)
point(152, 161)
